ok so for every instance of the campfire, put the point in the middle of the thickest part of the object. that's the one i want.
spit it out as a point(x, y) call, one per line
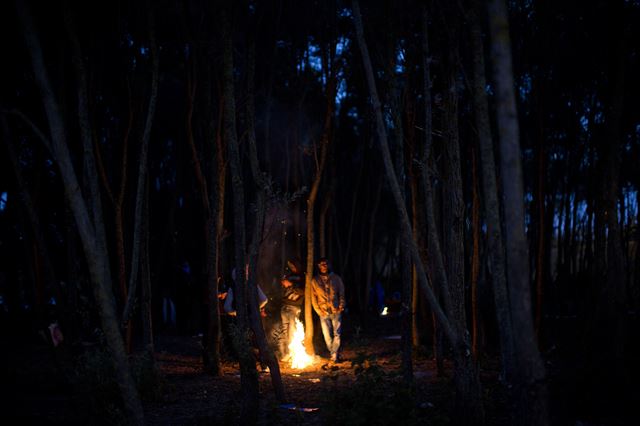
point(299, 356)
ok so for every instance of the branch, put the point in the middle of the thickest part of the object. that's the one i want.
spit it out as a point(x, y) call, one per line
point(35, 129)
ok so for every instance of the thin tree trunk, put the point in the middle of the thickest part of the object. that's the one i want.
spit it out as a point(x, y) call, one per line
point(415, 294)
point(263, 191)
point(248, 374)
point(475, 257)
point(540, 194)
point(615, 294)
point(96, 259)
point(326, 204)
point(469, 407)
point(433, 240)
point(405, 256)
point(296, 172)
point(566, 234)
point(142, 170)
point(221, 168)
point(370, 249)
point(636, 267)
point(89, 157)
point(311, 200)
point(530, 388)
point(322, 223)
point(491, 203)
point(395, 188)
point(34, 221)
point(459, 344)
point(211, 337)
point(213, 333)
point(95, 202)
point(145, 278)
point(269, 89)
point(354, 203)
point(118, 202)
point(73, 270)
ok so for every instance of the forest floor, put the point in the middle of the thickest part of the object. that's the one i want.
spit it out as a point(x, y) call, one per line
point(366, 387)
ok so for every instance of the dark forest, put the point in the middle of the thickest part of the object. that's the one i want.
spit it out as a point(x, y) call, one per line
point(465, 167)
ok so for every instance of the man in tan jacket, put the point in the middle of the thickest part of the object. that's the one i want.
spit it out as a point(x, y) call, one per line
point(327, 298)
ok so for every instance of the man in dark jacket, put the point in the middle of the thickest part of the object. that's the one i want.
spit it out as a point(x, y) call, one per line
point(292, 298)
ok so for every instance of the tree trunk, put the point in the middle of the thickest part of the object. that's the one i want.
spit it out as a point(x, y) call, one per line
point(405, 256)
point(540, 246)
point(529, 385)
point(636, 265)
point(491, 203)
point(96, 258)
point(34, 221)
point(354, 208)
point(393, 182)
point(212, 337)
point(370, 250)
point(468, 391)
point(475, 257)
point(417, 235)
point(248, 373)
point(146, 293)
point(118, 201)
point(269, 90)
point(326, 202)
point(433, 239)
point(134, 276)
point(263, 191)
point(311, 200)
point(615, 306)
point(91, 172)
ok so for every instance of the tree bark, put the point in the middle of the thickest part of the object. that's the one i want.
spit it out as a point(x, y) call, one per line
point(393, 182)
point(614, 294)
point(529, 386)
point(370, 249)
point(263, 191)
point(146, 293)
point(213, 333)
point(540, 246)
point(326, 202)
point(475, 257)
point(469, 409)
point(354, 204)
point(311, 200)
point(248, 374)
point(491, 203)
point(417, 235)
point(211, 336)
point(118, 205)
point(134, 276)
point(405, 256)
point(24, 195)
point(96, 259)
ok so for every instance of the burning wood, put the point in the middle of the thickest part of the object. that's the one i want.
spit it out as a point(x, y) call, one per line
point(299, 356)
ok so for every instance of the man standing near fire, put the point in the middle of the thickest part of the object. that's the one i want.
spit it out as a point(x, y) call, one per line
point(292, 283)
point(327, 298)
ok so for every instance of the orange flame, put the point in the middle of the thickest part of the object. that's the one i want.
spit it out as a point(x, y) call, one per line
point(299, 356)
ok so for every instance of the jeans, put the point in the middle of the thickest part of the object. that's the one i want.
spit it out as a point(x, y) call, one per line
point(331, 329)
point(288, 315)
